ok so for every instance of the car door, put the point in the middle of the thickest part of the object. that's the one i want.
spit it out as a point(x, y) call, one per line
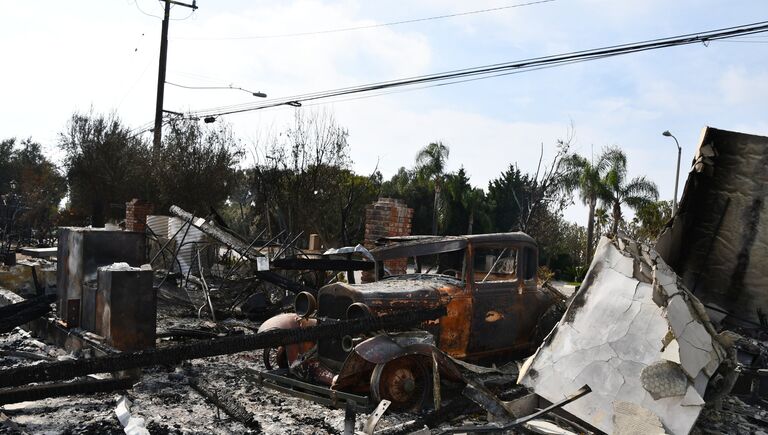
point(505, 302)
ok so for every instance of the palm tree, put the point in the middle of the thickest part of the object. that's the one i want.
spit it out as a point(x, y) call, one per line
point(635, 193)
point(430, 162)
point(587, 176)
point(602, 220)
point(471, 200)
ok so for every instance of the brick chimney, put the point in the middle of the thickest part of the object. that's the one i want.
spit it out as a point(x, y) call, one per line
point(387, 217)
point(136, 211)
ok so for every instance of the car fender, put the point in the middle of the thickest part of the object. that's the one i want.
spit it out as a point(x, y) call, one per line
point(384, 348)
point(290, 321)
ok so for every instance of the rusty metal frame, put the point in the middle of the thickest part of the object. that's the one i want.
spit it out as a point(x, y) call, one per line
point(581, 392)
point(312, 392)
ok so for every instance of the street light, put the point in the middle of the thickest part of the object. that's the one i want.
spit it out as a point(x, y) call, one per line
point(677, 174)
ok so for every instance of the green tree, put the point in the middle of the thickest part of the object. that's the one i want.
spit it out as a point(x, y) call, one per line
point(602, 224)
point(302, 181)
point(418, 195)
point(503, 194)
point(650, 219)
point(430, 164)
point(196, 166)
point(588, 177)
point(464, 205)
point(636, 193)
point(33, 184)
point(106, 166)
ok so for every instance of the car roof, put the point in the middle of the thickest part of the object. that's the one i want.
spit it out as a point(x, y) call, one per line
point(415, 246)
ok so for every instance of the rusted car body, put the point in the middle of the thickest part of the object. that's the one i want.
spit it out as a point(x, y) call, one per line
point(486, 282)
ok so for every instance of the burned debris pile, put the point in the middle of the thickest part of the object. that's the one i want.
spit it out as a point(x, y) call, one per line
point(181, 325)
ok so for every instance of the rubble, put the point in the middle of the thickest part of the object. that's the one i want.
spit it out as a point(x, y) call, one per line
point(28, 276)
point(635, 351)
point(132, 425)
point(638, 338)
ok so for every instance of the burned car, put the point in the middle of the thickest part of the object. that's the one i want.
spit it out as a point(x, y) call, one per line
point(487, 284)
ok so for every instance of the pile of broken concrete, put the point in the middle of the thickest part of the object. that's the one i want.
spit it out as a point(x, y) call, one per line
point(640, 340)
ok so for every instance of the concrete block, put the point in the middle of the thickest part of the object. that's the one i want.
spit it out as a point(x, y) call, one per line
point(126, 307)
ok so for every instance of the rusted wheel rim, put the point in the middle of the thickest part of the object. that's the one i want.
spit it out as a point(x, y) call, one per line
point(273, 357)
point(404, 381)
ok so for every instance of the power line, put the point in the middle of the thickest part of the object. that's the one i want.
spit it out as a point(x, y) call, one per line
point(136, 2)
point(505, 68)
point(371, 26)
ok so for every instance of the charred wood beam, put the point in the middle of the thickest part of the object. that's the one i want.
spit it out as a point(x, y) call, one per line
point(321, 264)
point(9, 310)
point(37, 392)
point(187, 333)
point(228, 405)
point(26, 315)
point(223, 346)
point(26, 355)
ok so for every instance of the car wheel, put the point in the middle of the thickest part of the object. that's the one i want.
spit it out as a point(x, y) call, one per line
point(404, 381)
point(274, 358)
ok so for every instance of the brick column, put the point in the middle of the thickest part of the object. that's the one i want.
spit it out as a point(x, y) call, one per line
point(136, 211)
point(387, 217)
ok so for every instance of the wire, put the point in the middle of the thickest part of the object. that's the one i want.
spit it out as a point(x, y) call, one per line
point(145, 13)
point(371, 26)
point(494, 70)
point(185, 18)
point(130, 90)
point(237, 88)
point(136, 2)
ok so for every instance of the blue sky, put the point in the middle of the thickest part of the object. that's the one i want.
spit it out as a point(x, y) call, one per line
point(67, 56)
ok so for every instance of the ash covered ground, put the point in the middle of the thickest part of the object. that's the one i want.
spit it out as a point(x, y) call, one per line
point(164, 397)
point(168, 403)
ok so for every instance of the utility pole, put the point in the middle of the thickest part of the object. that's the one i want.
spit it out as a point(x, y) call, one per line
point(161, 70)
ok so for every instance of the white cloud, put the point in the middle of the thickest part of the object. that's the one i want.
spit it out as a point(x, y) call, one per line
point(740, 86)
point(63, 56)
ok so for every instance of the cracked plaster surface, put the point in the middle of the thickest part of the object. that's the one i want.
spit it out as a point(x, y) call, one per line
point(631, 313)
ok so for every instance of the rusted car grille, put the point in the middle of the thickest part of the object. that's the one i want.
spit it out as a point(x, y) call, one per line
point(334, 307)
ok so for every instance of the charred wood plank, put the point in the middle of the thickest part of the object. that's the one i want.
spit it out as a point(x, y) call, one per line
point(11, 309)
point(38, 392)
point(26, 315)
point(228, 405)
point(58, 370)
point(26, 355)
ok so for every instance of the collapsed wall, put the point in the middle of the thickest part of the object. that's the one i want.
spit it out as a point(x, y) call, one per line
point(637, 338)
point(718, 240)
